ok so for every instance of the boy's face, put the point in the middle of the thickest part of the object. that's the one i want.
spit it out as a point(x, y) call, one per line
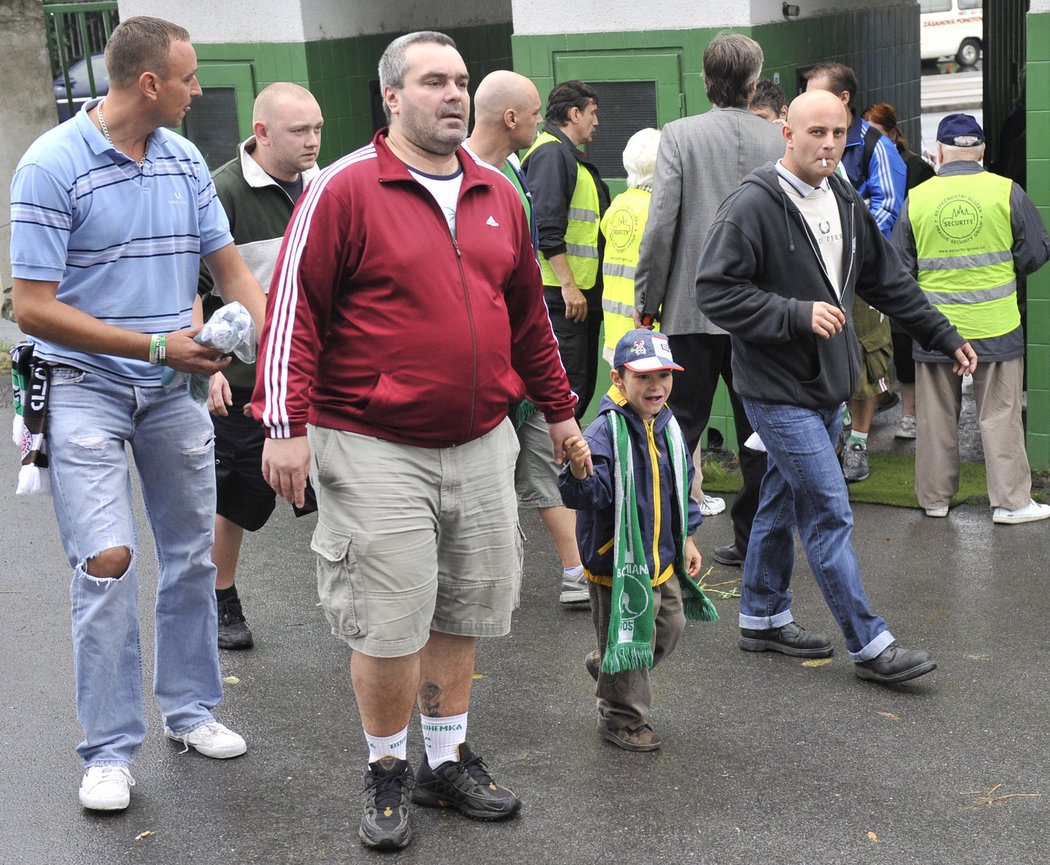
point(645, 392)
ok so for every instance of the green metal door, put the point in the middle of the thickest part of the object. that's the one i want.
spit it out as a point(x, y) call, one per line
point(636, 89)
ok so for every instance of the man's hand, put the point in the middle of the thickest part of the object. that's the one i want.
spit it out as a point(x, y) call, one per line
point(575, 302)
point(579, 455)
point(219, 395)
point(828, 319)
point(644, 319)
point(285, 465)
point(965, 360)
point(561, 432)
point(182, 354)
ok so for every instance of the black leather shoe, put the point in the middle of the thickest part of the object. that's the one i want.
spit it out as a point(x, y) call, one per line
point(791, 639)
point(895, 664)
point(730, 554)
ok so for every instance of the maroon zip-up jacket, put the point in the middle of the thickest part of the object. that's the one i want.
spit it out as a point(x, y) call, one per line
point(380, 322)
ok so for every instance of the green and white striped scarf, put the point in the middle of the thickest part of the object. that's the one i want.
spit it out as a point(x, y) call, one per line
point(631, 620)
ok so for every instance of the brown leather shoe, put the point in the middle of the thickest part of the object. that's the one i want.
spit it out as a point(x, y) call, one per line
point(592, 663)
point(640, 738)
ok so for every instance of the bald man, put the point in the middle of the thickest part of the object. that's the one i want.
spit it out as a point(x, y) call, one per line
point(258, 189)
point(786, 255)
point(507, 114)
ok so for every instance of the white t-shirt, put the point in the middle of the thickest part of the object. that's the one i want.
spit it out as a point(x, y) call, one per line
point(445, 191)
point(821, 212)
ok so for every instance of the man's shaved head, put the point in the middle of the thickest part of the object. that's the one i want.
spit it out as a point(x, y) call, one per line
point(501, 90)
point(815, 134)
point(803, 105)
point(507, 113)
point(269, 98)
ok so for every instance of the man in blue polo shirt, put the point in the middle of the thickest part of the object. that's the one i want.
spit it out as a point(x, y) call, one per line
point(111, 214)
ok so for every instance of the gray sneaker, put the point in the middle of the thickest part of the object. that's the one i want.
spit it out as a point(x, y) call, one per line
point(574, 592)
point(855, 462)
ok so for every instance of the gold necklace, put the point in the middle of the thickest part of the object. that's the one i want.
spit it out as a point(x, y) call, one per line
point(105, 132)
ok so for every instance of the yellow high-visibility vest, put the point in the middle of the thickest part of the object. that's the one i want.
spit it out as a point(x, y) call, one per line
point(581, 232)
point(963, 243)
point(623, 226)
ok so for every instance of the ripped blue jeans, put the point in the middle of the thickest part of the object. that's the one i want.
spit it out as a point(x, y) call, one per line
point(91, 421)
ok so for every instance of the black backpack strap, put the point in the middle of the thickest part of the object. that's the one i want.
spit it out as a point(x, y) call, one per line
point(871, 138)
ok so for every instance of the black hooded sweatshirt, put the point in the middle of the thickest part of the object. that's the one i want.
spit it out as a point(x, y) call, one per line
point(760, 273)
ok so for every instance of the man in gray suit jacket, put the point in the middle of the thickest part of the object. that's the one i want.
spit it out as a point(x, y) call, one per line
point(701, 160)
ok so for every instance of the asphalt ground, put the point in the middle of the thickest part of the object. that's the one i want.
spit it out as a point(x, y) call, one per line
point(764, 758)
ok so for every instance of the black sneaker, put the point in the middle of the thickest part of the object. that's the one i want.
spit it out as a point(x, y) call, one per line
point(384, 818)
point(234, 632)
point(791, 639)
point(465, 785)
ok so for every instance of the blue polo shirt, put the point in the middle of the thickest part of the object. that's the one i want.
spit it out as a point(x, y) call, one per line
point(124, 244)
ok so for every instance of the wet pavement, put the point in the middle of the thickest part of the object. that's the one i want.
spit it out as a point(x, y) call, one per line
point(764, 758)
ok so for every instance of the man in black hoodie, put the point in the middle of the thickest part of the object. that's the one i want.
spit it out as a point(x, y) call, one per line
point(785, 257)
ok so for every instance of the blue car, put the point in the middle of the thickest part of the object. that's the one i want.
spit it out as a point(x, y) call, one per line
point(79, 85)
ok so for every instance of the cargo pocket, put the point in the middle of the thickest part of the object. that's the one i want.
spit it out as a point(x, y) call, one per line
point(519, 551)
point(336, 577)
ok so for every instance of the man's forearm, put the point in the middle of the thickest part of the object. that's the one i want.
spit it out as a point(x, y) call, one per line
point(560, 265)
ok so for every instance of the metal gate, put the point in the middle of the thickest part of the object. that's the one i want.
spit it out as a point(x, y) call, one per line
point(76, 39)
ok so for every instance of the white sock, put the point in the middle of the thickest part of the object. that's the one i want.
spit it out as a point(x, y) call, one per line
point(380, 746)
point(572, 574)
point(442, 738)
point(859, 437)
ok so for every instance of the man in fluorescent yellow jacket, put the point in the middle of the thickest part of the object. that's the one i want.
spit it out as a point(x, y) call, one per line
point(967, 234)
point(569, 198)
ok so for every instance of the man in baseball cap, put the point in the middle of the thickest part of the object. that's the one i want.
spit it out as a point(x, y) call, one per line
point(969, 235)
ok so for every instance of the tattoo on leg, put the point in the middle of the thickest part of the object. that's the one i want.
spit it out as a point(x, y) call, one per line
point(430, 699)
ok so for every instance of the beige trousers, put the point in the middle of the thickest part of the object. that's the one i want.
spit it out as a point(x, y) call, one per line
point(938, 397)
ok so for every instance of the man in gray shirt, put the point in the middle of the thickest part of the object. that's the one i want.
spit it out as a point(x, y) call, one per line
point(703, 159)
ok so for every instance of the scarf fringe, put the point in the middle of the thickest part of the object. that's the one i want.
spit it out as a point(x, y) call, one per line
point(700, 609)
point(628, 656)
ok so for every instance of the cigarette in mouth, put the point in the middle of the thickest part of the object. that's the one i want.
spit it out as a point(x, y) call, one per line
point(824, 163)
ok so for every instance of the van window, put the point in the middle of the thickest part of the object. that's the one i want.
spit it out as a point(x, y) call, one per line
point(971, 4)
point(935, 6)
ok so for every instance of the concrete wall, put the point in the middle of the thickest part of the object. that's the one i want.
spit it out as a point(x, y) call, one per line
point(29, 105)
point(283, 21)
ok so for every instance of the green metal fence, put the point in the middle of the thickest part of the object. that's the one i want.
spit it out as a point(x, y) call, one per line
point(78, 32)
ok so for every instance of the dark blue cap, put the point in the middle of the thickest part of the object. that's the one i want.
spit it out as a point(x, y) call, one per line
point(960, 130)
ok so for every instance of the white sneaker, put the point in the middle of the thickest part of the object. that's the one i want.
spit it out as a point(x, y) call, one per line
point(937, 512)
point(106, 788)
point(1030, 513)
point(712, 505)
point(211, 740)
point(574, 591)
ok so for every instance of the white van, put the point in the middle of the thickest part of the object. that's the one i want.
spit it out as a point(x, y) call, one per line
point(951, 28)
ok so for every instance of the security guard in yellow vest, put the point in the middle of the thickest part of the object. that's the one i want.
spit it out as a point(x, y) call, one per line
point(967, 234)
point(622, 227)
point(569, 198)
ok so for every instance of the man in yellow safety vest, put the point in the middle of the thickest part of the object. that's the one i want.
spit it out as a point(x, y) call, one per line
point(967, 234)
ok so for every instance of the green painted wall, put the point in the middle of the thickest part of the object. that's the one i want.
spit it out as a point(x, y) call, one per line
point(338, 72)
point(1038, 101)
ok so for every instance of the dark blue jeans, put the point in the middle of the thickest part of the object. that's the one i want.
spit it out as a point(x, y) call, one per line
point(803, 487)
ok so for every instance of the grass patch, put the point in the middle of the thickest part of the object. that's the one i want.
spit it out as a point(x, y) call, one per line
point(892, 481)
